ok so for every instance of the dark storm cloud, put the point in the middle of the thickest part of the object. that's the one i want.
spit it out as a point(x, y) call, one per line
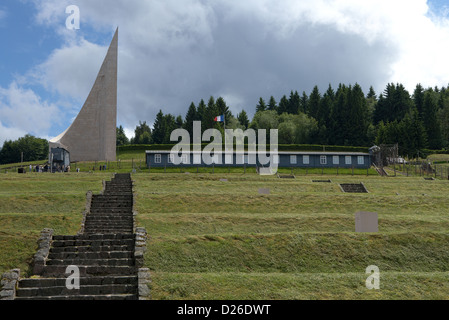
point(173, 53)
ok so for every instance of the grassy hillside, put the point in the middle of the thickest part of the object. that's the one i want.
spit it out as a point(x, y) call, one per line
point(222, 240)
point(210, 239)
point(31, 202)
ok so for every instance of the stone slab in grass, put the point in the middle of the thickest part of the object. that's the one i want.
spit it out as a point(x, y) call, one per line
point(366, 222)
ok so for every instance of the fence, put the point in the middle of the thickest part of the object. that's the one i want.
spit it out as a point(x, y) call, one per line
point(422, 169)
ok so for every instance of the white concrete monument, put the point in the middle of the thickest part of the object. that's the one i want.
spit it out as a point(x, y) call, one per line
point(92, 136)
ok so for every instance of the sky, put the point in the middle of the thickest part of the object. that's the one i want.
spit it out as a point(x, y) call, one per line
point(173, 53)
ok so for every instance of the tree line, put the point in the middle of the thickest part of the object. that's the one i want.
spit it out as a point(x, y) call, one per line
point(27, 148)
point(344, 116)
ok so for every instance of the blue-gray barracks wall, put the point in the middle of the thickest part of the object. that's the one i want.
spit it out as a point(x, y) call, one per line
point(286, 160)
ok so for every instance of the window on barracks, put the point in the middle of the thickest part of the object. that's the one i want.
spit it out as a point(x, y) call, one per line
point(323, 160)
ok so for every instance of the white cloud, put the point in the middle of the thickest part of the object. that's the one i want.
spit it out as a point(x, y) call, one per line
point(71, 70)
point(173, 53)
point(22, 112)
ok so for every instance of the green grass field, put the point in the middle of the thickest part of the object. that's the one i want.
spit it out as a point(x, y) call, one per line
point(210, 239)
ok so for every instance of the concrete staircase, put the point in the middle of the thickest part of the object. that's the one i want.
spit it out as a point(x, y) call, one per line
point(104, 253)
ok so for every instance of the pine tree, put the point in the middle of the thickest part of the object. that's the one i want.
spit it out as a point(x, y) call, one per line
point(294, 104)
point(223, 109)
point(314, 102)
point(192, 115)
point(159, 128)
point(340, 114)
point(242, 117)
point(359, 117)
point(210, 114)
point(304, 103)
point(261, 105)
point(179, 122)
point(325, 108)
point(122, 139)
point(381, 134)
point(371, 94)
point(283, 105)
point(201, 114)
point(393, 104)
point(169, 126)
point(430, 121)
point(272, 105)
point(413, 134)
point(418, 99)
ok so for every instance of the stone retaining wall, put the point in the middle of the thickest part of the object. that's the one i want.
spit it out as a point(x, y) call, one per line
point(41, 256)
point(9, 284)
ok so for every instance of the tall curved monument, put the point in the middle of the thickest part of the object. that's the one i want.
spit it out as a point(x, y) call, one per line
point(92, 136)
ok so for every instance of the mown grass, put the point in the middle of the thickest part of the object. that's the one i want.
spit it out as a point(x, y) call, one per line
point(299, 286)
point(31, 202)
point(211, 238)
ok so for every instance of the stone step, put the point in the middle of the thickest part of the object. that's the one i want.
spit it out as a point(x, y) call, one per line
point(123, 186)
point(93, 281)
point(92, 255)
point(120, 227)
point(119, 184)
point(111, 197)
point(112, 205)
point(83, 249)
point(83, 290)
point(111, 210)
point(104, 253)
point(92, 243)
point(109, 217)
point(82, 297)
point(110, 230)
point(117, 236)
point(101, 220)
point(112, 192)
point(108, 227)
point(109, 222)
point(90, 262)
point(59, 271)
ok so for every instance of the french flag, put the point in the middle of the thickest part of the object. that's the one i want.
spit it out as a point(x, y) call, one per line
point(220, 118)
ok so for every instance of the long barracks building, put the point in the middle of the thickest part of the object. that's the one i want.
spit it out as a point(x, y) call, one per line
point(356, 160)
